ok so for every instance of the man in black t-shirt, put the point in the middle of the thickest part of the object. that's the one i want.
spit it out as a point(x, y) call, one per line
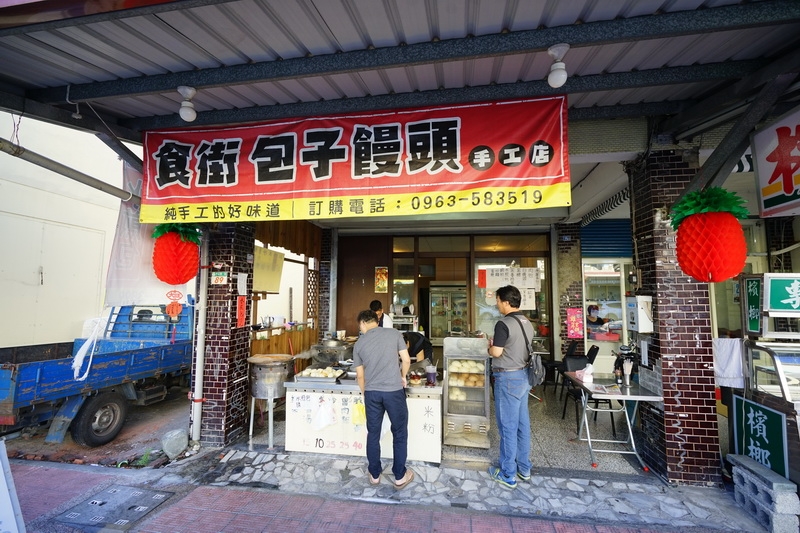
point(419, 347)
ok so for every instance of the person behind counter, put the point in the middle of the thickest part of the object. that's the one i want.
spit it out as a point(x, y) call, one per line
point(509, 356)
point(384, 320)
point(593, 321)
point(383, 385)
point(419, 346)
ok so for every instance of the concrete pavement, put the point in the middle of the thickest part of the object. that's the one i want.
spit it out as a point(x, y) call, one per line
point(229, 490)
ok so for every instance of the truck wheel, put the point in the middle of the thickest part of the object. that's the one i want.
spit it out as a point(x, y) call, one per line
point(100, 419)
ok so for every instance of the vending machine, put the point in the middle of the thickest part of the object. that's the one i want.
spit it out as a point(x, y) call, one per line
point(449, 312)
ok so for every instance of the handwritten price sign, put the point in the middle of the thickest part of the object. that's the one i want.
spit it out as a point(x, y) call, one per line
point(322, 422)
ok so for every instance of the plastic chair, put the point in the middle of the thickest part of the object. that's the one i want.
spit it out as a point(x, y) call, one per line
point(592, 353)
point(571, 364)
point(553, 369)
point(579, 363)
point(559, 367)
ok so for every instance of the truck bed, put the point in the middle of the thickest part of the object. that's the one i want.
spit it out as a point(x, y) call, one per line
point(118, 361)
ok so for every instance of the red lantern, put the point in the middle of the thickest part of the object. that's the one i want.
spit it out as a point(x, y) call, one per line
point(174, 309)
point(710, 244)
point(176, 254)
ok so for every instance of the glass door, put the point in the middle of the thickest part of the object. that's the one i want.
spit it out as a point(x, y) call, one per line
point(604, 289)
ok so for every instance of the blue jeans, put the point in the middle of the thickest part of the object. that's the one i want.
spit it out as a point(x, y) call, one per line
point(513, 422)
point(393, 403)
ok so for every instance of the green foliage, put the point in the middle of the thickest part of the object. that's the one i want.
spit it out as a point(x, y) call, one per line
point(712, 200)
point(144, 460)
point(187, 232)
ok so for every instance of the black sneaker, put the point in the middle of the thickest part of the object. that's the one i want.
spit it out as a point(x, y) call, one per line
point(523, 477)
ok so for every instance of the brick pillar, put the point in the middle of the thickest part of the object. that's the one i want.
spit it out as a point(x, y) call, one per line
point(325, 282)
point(569, 276)
point(225, 386)
point(679, 440)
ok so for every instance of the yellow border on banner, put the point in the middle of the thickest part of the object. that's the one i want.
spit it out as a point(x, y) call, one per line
point(485, 199)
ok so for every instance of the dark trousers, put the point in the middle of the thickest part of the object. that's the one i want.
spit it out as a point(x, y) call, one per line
point(376, 403)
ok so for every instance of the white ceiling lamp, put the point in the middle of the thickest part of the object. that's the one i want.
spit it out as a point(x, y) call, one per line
point(558, 71)
point(187, 111)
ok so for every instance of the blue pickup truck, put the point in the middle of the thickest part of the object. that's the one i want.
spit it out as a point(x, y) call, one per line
point(141, 353)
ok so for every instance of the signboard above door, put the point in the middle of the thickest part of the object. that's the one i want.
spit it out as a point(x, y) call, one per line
point(481, 157)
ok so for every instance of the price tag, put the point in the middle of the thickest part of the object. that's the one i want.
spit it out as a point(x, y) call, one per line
point(219, 278)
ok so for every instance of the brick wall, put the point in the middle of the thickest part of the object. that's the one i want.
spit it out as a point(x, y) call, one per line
point(569, 276)
point(227, 347)
point(681, 443)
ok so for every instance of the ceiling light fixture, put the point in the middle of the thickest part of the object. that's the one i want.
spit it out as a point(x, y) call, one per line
point(558, 71)
point(187, 111)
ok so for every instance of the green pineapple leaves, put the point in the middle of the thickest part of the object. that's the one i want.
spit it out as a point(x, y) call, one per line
point(187, 232)
point(711, 200)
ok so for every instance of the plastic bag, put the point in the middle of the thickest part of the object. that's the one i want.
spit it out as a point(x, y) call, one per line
point(359, 417)
point(324, 417)
point(86, 348)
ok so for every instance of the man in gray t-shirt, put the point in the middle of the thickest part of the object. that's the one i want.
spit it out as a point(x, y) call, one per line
point(382, 383)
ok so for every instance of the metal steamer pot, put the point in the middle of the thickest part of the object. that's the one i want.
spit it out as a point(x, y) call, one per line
point(268, 373)
point(332, 343)
point(330, 351)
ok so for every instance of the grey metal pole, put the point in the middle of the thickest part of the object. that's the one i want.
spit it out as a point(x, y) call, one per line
point(200, 342)
point(49, 164)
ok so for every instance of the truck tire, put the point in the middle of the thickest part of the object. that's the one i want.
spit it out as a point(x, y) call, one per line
point(100, 419)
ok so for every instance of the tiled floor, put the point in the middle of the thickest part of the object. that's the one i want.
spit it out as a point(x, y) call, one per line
point(554, 445)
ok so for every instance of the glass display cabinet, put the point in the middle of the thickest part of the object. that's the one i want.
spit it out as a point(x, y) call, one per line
point(466, 392)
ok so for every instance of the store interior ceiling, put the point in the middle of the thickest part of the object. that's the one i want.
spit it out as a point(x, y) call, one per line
point(689, 66)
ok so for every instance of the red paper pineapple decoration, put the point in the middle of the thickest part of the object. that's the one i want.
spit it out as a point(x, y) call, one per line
point(710, 244)
point(176, 254)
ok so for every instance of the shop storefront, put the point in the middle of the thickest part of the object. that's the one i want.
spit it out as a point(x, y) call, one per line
point(448, 280)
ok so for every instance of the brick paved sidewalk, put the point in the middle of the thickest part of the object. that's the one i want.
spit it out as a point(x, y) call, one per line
point(46, 490)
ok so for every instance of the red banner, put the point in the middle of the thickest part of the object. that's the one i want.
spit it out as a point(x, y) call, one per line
point(495, 156)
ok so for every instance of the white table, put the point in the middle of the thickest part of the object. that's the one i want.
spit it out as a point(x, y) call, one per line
point(606, 389)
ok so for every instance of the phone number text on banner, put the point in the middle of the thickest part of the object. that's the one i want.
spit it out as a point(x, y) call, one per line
point(496, 156)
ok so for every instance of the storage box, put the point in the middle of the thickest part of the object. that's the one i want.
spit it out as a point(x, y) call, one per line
point(604, 336)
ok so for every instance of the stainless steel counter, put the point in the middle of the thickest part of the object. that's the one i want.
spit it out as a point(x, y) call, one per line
point(351, 386)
